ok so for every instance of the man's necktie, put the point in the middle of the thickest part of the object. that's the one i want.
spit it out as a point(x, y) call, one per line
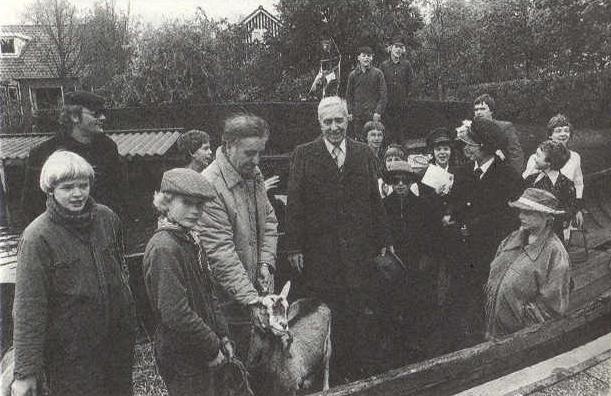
point(337, 157)
point(478, 173)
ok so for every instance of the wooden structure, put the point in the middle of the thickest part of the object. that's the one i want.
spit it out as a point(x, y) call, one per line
point(259, 23)
point(589, 317)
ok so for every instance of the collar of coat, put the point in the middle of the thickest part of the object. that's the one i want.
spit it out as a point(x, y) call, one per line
point(519, 240)
point(229, 173)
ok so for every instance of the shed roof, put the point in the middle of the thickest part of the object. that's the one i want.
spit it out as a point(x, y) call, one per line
point(130, 143)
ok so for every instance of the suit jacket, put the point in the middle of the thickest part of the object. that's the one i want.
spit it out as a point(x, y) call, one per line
point(482, 206)
point(513, 150)
point(335, 218)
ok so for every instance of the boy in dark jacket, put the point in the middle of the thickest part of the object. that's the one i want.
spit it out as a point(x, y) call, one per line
point(550, 157)
point(191, 335)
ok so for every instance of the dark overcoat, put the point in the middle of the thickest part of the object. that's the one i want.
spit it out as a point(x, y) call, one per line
point(482, 206)
point(335, 218)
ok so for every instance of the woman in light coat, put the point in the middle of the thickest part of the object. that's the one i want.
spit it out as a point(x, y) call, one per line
point(529, 277)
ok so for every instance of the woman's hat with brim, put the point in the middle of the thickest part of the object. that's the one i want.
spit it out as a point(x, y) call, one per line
point(439, 136)
point(486, 133)
point(187, 182)
point(399, 168)
point(537, 200)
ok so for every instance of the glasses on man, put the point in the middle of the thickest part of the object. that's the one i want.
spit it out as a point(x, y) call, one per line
point(96, 113)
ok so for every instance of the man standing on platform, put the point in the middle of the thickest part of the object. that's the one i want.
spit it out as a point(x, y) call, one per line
point(365, 93)
point(484, 106)
point(398, 75)
point(336, 225)
point(82, 119)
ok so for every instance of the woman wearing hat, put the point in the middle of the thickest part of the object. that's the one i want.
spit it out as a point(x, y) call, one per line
point(191, 336)
point(74, 313)
point(529, 277)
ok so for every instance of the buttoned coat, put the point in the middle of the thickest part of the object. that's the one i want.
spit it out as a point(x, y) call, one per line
point(234, 243)
point(482, 206)
point(528, 284)
point(335, 218)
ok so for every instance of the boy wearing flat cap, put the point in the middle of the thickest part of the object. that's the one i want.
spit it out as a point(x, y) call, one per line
point(479, 209)
point(191, 334)
point(365, 93)
point(82, 120)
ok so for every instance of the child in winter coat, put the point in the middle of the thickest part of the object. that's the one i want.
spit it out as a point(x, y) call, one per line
point(191, 335)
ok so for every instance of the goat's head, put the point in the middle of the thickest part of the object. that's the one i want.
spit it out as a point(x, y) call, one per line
point(272, 314)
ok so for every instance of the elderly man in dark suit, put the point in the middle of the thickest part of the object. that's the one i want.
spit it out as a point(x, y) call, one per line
point(479, 209)
point(336, 225)
point(484, 106)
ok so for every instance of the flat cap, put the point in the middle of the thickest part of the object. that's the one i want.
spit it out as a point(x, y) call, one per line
point(187, 182)
point(398, 40)
point(86, 99)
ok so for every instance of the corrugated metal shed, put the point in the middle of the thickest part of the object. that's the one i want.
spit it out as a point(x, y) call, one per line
point(18, 146)
point(138, 143)
point(130, 143)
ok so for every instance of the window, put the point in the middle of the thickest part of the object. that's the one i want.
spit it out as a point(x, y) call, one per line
point(47, 98)
point(258, 34)
point(7, 46)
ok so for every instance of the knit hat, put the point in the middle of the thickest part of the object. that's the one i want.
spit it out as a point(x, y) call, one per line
point(86, 99)
point(186, 182)
point(486, 133)
point(537, 200)
point(438, 136)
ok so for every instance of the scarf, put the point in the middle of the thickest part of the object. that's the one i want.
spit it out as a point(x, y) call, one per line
point(79, 223)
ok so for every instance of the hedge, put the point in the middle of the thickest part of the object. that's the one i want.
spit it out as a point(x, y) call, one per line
point(585, 98)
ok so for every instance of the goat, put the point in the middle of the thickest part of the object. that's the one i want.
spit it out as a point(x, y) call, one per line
point(291, 346)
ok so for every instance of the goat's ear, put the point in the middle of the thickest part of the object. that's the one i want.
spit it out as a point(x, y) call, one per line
point(285, 289)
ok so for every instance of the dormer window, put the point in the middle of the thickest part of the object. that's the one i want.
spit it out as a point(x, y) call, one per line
point(7, 46)
point(11, 44)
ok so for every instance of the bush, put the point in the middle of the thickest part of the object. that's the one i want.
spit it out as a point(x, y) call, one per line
point(584, 98)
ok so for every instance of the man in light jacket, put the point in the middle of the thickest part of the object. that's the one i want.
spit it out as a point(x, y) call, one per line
point(238, 229)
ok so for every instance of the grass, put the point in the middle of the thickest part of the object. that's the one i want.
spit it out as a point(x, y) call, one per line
point(147, 381)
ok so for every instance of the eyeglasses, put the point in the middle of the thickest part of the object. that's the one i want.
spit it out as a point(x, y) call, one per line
point(96, 114)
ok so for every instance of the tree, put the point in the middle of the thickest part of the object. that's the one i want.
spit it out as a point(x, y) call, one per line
point(60, 22)
point(350, 23)
point(108, 44)
point(173, 63)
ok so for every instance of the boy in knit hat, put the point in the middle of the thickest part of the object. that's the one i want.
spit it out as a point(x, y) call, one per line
point(191, 335)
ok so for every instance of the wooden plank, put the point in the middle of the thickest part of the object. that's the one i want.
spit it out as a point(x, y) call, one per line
point(468, 367)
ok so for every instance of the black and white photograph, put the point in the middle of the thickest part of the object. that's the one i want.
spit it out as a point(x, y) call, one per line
point(305, 197)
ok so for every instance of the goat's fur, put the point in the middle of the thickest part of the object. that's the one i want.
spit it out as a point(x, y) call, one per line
point(6, 372)
point(294, 364)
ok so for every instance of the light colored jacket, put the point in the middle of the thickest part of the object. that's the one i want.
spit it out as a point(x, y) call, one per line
point(230, 240)
point(528, 283)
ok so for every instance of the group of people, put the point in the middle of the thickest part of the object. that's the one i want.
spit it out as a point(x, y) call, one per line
point(213, 255)
point(373, 93)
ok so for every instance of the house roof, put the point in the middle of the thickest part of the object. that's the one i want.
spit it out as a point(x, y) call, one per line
point(255, 13)
point(34, 61)
point(130, 143)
